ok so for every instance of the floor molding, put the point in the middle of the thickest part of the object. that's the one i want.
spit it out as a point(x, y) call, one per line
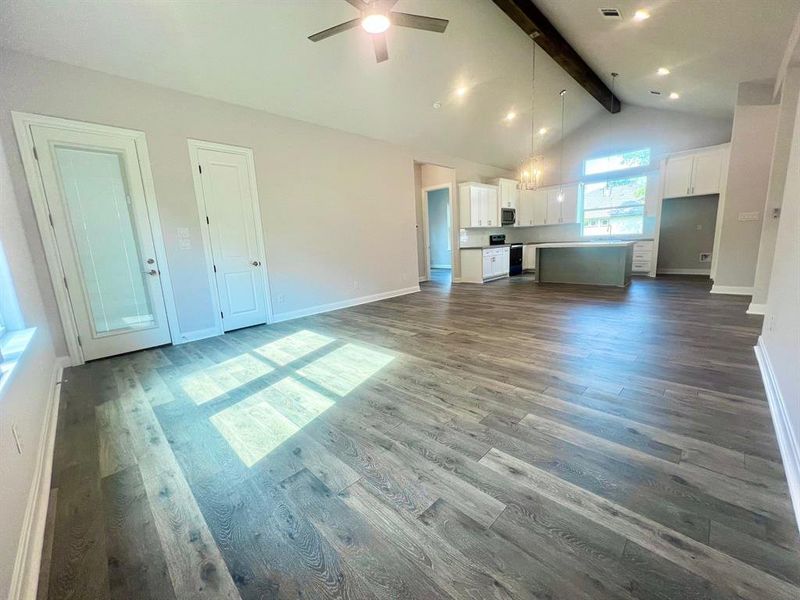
point(734, 290)
point(322, 308)
point(25, 576)
point(788, 444)
point(684, 272)
point(756, 309)
point(197, 334)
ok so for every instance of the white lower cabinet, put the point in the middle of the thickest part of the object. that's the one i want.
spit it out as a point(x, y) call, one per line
point(529, 257)
point(479, 265)
point(642, 257)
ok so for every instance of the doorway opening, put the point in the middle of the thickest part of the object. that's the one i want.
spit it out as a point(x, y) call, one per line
point(439, 235)
point(686, 235)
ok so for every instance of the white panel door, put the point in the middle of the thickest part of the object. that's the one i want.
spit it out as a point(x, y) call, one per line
point(678, 177)
point(229, 197)
point(93, 186)
point(706, 173)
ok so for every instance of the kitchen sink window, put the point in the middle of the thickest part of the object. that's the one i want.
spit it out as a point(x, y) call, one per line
point(614, 194)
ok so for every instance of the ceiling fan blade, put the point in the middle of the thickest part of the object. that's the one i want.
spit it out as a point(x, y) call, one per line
point(381, 52)
point(359, 4)
point(419, 22)
point(334, 30)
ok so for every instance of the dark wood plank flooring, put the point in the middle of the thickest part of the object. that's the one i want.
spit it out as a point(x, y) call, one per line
point(511, 440)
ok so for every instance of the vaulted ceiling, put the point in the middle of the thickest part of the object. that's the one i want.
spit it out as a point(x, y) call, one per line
point(257, 54)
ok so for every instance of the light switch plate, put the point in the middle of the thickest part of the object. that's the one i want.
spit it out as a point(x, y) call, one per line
point(749, 216)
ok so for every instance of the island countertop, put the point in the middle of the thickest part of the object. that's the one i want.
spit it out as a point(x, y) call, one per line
point(595, 244)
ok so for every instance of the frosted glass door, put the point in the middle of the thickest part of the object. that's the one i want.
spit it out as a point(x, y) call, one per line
point(93, 188)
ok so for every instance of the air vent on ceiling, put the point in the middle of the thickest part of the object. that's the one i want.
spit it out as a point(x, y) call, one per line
point(611, 13)
point(655, 92)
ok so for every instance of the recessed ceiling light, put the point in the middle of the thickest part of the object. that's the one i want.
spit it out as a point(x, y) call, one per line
point(511, 115)
point(461, 91)
point(663, 71)
point(641, 15)
point(375, 23)
point(437, 104)
point(674, 95)
point(543, 130)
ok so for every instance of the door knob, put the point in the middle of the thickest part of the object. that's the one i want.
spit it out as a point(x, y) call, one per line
point(150, 261)
point(151, 272)
point(256, 263)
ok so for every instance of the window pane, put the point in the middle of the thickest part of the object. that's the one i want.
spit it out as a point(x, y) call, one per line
point(614, 207)
point(102, 227)
point(617, 162)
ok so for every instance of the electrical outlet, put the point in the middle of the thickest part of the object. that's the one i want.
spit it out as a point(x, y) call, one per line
point(355, 284)
point(749, 216)
point(705, 257)
point(17, 439)
point(281, 298)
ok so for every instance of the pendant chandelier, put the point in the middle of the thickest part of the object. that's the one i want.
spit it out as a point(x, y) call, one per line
point(530, 171)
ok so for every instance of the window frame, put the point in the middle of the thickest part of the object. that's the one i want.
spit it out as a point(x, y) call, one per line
point(647, 171)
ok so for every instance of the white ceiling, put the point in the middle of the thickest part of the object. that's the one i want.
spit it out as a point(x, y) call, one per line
point(708, 45)
point(255, 53)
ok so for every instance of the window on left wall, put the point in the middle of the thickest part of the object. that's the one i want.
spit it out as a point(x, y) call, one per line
point(14, 336)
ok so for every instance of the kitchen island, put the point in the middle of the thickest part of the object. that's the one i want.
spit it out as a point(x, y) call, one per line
point(590, 263)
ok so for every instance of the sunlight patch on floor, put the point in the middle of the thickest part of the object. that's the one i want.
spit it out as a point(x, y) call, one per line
point(292, 347)
point(213, 382)
point(262, 422)
point(344, 369)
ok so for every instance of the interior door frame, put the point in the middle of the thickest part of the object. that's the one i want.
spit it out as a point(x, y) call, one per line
point(22, 129)
point(426, 247)
point(194, 147)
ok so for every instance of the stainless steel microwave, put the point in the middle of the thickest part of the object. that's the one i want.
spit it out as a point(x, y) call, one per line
point(508, 216)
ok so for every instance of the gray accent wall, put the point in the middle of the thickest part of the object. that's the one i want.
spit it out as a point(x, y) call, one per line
point(687, 229)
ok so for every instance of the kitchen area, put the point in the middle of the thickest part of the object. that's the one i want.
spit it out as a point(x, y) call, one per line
point(506, 232)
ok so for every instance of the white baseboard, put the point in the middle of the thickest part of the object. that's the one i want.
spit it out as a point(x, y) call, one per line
point(734, 290)
point(756, 309)
point(25, 577)
point(684, 271)
point(197, 334)
point(422, 278)
point(787, 442)
point(322, 308)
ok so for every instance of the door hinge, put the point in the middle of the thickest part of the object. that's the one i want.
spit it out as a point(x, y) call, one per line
point(35, 153)
point(215, 268)
point(65, 283)
point(222, 316)
point(200, 168)
point(207, 221)
point(79, 342)
point(50, 218)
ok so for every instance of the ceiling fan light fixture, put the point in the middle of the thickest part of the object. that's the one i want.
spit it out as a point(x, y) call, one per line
point(375, 23)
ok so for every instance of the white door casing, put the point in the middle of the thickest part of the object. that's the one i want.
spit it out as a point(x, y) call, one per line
point(95, 205)
point(227, 199)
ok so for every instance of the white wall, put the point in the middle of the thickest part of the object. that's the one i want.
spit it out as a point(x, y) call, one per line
point(780, 337)
point(23, 400)
point(337, 208)
point(777, 181)
point(752, 145)
point(633, 128)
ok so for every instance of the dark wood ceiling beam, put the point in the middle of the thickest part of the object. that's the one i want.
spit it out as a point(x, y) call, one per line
point(531, 20)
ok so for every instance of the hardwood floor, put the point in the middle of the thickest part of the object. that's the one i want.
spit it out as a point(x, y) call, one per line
point(511, 440)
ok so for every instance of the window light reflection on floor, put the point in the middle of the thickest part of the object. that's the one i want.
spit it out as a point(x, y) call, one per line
point(345, 368)
point(292, 347)
point(262, 422)
point(208, 384)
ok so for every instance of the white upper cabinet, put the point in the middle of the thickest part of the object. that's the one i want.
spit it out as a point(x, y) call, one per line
point(540, 207)
point(695, 174)
point(507, 193)
point(478, 205)
point(569, 206)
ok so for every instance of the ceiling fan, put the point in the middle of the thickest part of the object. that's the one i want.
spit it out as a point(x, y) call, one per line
point(376, 17)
